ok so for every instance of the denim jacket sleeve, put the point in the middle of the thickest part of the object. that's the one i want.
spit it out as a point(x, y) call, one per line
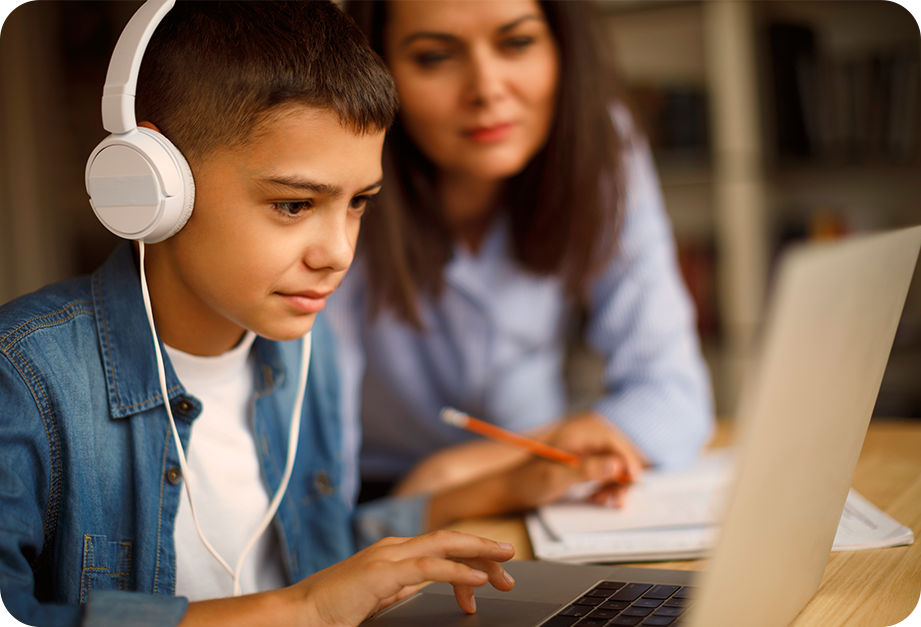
point(114, 608)
point(30, 446)
point(391, 516)
point(27, 452)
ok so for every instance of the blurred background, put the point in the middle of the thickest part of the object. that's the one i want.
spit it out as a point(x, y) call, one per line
point(772, 122)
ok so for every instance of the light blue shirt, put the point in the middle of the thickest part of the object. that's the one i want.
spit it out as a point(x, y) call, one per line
point(493, 345)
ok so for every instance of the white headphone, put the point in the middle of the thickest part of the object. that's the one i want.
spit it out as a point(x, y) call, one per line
point(140, 185)
point(141, 188)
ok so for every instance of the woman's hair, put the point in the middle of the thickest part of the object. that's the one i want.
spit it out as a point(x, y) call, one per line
point(563, 207)
point(215, 71)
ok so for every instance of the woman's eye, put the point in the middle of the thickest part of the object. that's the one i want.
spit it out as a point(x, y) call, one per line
point(292, 207)
point(431, 58)
point(518, 44)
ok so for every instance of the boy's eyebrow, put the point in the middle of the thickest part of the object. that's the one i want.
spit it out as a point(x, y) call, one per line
point(448, 38)
point(315, 187)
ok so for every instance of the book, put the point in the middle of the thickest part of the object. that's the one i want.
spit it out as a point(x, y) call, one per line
point(675, 515)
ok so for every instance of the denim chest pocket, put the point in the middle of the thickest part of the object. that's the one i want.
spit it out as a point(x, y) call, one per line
point(106, 565)
point(324, 526)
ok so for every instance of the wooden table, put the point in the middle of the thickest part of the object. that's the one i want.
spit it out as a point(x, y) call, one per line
point(870, 588)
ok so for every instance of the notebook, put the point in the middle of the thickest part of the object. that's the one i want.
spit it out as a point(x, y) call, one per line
point(803, 415)
point(674, 515)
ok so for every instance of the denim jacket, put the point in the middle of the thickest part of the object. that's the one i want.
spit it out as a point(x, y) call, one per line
point(89, 474)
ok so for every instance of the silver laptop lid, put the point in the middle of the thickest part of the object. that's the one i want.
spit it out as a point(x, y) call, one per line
point(803, 415)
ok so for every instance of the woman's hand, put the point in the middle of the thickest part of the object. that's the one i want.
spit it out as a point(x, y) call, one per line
point(457, 465)
point(349, 592)
point(609, 458)
point(585, 434)
point(590, 435)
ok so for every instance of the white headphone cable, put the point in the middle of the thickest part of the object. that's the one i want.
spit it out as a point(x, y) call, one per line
point(294, 432)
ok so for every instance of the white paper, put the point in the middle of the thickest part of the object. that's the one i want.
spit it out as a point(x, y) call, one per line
point(660, 499)
point(865, 526)
point(622, 546)
point(675, 516)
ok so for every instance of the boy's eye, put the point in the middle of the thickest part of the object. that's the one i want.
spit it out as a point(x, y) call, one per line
point(292, 207)
point(360, 203)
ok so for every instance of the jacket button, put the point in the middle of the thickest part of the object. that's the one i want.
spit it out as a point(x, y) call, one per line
point(184, 407)
point(322, 483)
point(174, 475)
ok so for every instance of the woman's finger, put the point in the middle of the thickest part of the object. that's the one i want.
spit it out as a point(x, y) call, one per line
point(606, 468)
point(611, 495)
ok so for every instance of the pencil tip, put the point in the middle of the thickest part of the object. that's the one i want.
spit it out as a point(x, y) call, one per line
point(451, 416)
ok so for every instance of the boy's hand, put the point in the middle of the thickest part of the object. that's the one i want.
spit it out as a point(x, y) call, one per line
point(349, 592)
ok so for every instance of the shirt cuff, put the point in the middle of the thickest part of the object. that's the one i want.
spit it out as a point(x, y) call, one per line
point(667, 437)
point(114, 608)
point(401, 517)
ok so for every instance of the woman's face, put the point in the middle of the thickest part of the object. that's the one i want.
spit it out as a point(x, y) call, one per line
point(477, 81)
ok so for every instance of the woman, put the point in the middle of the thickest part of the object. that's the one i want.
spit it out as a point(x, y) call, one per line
point(517, 193)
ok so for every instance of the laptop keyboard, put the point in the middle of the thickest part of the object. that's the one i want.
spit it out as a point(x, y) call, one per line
point(615, 603)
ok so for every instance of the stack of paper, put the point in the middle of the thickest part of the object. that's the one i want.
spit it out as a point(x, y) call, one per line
point(674, 516)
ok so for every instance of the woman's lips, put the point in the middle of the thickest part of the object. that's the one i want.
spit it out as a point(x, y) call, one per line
point(489, 134)
point(308, 302)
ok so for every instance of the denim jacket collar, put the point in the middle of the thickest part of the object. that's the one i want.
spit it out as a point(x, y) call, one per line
point(130, 362)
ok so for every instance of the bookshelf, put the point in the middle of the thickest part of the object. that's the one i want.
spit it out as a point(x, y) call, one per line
point(701, 75)
point(773, 122)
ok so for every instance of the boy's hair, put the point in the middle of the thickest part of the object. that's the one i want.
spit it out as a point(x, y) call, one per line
point(214, 71)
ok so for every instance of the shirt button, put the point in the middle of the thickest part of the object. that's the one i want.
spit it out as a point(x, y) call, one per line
point(322, 483)
point(174, 475)
point(184, 407)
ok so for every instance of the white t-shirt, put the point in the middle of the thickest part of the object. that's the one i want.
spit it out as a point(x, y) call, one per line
point(227, 488)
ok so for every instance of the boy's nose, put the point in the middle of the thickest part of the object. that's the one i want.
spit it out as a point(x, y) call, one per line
point(332, 246)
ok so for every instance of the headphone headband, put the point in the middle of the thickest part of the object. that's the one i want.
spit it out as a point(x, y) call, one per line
point(122, 77)
point(140, 185)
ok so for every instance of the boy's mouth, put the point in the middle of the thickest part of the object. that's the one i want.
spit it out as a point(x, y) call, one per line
point(308, 301)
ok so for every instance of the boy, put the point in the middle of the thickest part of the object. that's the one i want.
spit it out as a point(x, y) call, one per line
point(281, 112)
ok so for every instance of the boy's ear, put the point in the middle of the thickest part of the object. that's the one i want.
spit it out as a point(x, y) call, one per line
point(146, 174)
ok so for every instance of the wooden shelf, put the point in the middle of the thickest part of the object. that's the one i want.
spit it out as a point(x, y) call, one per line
point(738, 192)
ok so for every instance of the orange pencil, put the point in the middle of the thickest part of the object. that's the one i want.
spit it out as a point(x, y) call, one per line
point(459, 419)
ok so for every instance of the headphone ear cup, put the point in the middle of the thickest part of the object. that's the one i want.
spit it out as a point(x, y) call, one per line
point(140, 185)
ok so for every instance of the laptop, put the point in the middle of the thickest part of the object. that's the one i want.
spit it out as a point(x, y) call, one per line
point(803, 415)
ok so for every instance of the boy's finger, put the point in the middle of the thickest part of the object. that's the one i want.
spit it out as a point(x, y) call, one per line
point(402, 594)
point(465, 598)
point(456, 545)
point(498, 577)
point(417, 570)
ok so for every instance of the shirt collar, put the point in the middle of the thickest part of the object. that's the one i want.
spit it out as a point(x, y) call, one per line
point(126, 343)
